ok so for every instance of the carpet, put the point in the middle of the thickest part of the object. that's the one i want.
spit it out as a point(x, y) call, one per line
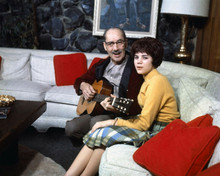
point(32, 163)
point(53, 144)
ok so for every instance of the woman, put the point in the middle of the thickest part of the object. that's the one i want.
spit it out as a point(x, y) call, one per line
point(158, 103)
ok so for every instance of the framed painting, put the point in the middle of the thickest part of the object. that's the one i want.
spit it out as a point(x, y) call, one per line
point(138, 18)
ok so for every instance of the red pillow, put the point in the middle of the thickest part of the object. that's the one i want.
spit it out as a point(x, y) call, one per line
point(178, 150)
point(202, 121)
point(69, 67)
point(211, 171)
point(95, 60)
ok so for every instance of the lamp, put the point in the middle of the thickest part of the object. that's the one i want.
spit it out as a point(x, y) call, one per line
point(185, 8)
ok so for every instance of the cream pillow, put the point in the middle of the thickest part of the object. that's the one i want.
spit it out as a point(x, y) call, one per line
point(174, 81)
point(174, 78)
point(15, 66)
point(42, 69)
point(194, 101)
point(216, 155)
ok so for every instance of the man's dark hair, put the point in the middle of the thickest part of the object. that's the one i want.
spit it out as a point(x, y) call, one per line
point(151, 46)
point(122, 31)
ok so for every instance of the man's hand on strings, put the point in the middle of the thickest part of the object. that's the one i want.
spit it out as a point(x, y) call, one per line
point(87, 90)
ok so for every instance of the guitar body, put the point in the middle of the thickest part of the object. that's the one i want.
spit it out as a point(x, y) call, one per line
point(93, 107)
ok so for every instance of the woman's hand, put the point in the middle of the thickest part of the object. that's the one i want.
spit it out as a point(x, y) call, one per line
point(102, 124)
point(87, 90)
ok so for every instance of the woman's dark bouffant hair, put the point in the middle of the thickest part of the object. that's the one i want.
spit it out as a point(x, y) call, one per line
point(151, 46)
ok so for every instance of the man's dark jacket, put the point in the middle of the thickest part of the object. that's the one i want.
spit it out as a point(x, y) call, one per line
point(128, 88)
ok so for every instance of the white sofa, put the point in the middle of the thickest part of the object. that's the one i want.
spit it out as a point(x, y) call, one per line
point(29, 75)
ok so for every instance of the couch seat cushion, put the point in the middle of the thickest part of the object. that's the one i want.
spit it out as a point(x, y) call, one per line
point(24, 90)
point(117, 160)
point(62, 94)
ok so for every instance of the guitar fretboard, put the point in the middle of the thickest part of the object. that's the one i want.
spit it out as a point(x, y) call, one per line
point(100, 97)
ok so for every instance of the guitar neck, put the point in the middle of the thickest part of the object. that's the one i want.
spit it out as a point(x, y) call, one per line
point(99, 98)
point(121, 104)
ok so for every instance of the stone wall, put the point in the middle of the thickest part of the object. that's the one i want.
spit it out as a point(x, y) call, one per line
point(67, 25)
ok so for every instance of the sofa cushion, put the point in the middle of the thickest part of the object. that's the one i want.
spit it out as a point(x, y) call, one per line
point(178, 150)
point(213, 78)
point(174, 78)
point(175, 81)
point(61, 110)
point(24, 90)
point(117, 160)
point(15, 66)
point(216, 155)
point(202, 121)
point(69, 67)
point(42, 69)
point(62, 94)
point(214, 86)
point(194, 101)
point(212, 171)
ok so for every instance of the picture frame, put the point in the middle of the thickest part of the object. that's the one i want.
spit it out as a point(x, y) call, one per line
point(138, 18)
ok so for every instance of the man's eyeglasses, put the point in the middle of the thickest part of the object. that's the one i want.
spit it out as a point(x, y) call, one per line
point(119, 43)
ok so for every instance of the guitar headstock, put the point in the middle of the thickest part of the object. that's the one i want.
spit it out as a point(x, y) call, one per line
point(122, 104)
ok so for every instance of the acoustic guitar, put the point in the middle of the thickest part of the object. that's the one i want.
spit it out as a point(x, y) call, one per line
point(103, 90)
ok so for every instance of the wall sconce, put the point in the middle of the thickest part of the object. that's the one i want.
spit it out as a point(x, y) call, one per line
point(185, 8)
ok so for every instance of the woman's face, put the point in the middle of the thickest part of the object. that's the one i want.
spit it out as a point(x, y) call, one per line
point(143, 63)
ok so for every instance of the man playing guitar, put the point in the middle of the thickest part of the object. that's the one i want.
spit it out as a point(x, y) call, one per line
point(118, 69)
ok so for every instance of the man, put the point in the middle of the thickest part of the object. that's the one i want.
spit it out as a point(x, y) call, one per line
point(118, 69)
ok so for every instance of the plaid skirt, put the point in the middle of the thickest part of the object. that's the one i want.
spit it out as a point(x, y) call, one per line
point(111, 135)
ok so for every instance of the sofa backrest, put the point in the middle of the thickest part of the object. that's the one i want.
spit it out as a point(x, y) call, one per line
point(41, 69)
point(207, 79)
point(39, 62)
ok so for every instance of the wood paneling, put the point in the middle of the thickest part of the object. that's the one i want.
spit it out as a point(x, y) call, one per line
point(208, 41)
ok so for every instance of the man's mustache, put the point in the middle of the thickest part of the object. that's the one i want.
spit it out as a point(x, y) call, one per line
point(116, 52)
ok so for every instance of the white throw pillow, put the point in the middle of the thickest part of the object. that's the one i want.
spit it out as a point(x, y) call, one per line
point(42, 69)
point(194, 101)
point(174, 78)
point(15, 66)
point(174, 81)
point(216, 155)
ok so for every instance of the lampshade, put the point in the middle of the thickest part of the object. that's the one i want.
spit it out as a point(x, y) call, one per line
point(186, 7)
